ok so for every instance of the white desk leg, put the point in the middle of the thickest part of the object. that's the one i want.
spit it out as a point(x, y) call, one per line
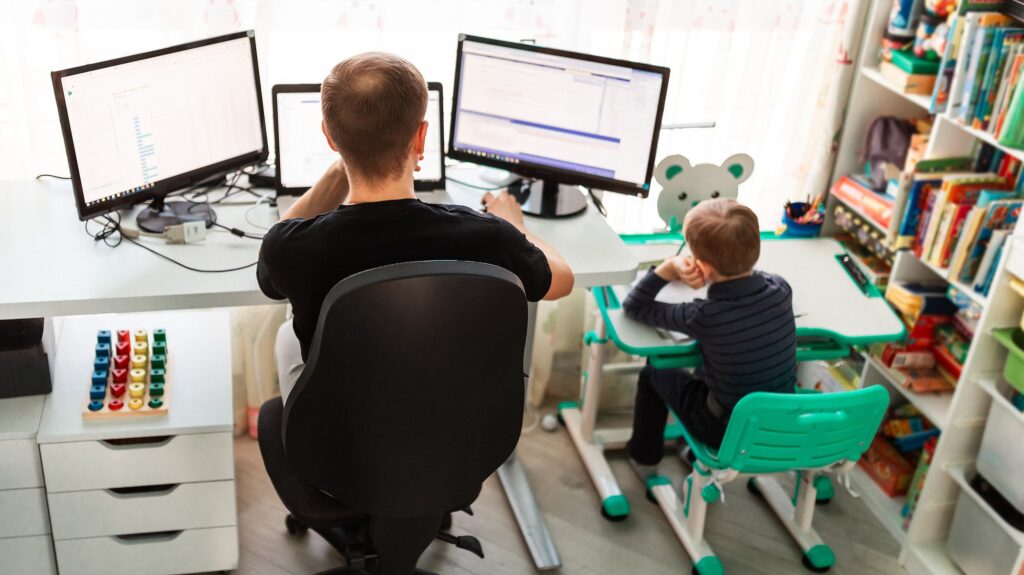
point(517, 487)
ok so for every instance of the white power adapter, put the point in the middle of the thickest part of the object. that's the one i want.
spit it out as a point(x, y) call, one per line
point(186, 233)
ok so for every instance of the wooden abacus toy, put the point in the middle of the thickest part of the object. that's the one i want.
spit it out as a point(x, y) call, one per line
point(130, 375)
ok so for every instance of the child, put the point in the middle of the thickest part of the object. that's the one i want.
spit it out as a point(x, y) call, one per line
point(745, 330)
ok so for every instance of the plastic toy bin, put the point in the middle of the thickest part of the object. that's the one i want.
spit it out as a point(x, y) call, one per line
point(1013, 340)
point(1001, 458)
point(977, 543)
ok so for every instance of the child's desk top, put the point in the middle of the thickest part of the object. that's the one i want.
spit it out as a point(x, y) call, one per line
point(826, 301)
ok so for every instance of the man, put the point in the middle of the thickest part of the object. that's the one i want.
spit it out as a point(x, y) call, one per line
point(363, 213)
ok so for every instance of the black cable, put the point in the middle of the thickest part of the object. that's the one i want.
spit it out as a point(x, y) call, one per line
point(597, 203)
point(238, 232)
point(112, 226)
point(54, 176)
point(475, 186)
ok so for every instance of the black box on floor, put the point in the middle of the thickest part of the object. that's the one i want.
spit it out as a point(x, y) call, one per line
point(24, 369)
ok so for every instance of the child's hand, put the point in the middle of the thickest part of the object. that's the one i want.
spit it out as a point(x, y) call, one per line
point(668, 270)
point(688, 271)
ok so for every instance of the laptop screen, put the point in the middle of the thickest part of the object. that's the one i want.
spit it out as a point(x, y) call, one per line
point(303, 154)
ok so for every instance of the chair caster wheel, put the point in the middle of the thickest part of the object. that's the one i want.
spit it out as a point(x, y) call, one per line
point(752, 487)
point(810, 566)
point(293, 526)
point(823, 501)
point(613, 518)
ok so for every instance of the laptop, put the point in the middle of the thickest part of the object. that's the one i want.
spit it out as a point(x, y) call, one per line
point(303, 155)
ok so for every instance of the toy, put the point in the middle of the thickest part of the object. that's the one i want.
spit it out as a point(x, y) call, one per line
point(128, 378)
point(684, 185)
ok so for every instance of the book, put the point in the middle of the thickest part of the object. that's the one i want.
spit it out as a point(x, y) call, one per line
point(927, 173)
point(976, 66)
point(1005, 85)
point(989, 260)
point(956, 230)
point(906, 82)
point(1005, 38)
point(956, 84)
point(960, 189)
point(969, 232)
point(1016, 73)
point(947, 64)
point(1012, 133)
point(874, 206)
point(1001, 214)
point(942, 233)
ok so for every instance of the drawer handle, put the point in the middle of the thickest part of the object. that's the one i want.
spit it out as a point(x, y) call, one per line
point(143, 490)
point(137, 442)
point(141, 538)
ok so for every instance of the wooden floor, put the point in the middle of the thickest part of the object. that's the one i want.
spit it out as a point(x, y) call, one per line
point(743, 531)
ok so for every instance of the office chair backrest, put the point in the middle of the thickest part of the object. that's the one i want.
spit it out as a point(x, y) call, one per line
point(774, 432)
point(413, 392)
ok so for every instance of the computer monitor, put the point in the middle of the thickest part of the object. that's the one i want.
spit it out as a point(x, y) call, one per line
point(140, 127)
point(563, 117)
point(303, 155)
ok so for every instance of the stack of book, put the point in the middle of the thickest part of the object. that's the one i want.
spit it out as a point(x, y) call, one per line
point(922, 363)
point(980, 76)
point(910, 74)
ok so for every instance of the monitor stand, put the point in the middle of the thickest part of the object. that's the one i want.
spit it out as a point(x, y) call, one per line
point(159, 215)
point(547, 198)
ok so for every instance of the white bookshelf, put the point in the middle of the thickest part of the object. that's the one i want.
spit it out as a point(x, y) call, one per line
point(962, 414)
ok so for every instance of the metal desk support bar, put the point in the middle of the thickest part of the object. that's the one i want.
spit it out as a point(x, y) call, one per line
point(517, 486)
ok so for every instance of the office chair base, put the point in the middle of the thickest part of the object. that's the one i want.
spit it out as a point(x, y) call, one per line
point(293, 525)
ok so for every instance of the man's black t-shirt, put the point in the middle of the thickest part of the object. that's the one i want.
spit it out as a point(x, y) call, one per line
point(301, 260)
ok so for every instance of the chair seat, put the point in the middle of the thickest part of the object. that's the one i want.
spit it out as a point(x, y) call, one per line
point(776, 432)
point(308, 504)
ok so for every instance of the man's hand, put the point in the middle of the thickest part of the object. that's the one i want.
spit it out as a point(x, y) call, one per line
point(505, 207)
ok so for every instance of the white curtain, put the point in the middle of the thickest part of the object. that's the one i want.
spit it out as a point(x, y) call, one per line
point(772, 73)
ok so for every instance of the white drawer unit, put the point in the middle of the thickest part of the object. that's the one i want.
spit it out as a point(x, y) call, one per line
point(23, 513)
point(79, 514)
point(19, 464)
point(144, 494)
point(168, 553)
point(105, 464)
point(27, 555)
point(25, 542)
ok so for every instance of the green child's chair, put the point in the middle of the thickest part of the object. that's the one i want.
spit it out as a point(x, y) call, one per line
point(809, 434)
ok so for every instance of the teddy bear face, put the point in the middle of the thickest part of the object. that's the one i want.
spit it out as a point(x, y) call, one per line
point(684, 185)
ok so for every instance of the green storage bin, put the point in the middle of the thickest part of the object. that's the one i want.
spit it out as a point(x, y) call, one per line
point(1013, 340)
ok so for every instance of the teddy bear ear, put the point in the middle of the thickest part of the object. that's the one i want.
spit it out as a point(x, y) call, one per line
point(740, 166)
point(671, 167)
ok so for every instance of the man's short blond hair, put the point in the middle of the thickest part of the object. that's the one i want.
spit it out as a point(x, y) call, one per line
point(373, 105)
point(725, 234)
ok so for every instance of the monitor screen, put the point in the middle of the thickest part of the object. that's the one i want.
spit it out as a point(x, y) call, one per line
point(578, 118)
point(303, 154)
point(140, 126)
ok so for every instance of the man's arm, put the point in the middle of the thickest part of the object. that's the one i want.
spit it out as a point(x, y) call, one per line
point(327, 194)
point(505, 207)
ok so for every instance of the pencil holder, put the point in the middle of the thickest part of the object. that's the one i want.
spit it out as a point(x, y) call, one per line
point(791, 229)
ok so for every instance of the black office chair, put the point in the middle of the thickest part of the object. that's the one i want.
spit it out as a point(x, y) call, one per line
point(412, 395)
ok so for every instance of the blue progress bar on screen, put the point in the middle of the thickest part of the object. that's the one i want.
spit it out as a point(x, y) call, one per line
point(546, 127)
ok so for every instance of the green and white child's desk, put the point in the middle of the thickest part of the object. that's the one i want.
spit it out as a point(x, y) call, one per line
point(832, 313)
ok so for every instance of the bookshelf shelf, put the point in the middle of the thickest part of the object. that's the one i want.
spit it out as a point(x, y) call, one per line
point(983, 136)
point(875, 76)
point(934, 406)
point(959, 473)
point(886, 509)
point(960, 286)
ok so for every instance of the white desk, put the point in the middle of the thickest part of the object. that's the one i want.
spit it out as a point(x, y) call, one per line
point(52, 268)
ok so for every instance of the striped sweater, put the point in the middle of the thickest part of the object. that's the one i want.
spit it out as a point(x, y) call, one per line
point(745, 331)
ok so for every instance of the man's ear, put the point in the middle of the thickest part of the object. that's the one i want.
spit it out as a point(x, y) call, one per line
point(330, 142)
point(419, 141)
point(740, 166)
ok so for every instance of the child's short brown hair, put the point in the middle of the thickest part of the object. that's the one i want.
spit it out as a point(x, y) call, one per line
point(725, 234)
